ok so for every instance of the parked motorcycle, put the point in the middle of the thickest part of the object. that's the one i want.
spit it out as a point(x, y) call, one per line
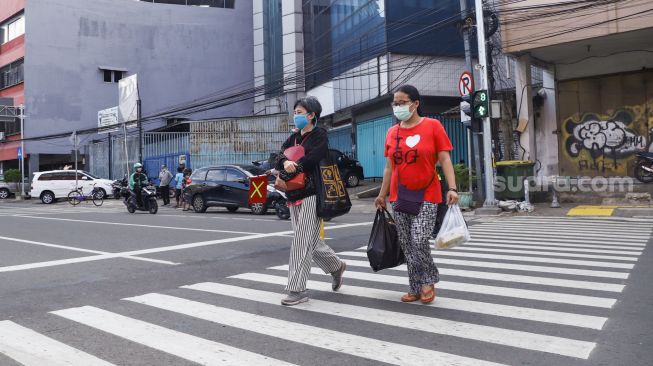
point(279, 201)
point(149, 203)
point(644, 167)
point(117, 187)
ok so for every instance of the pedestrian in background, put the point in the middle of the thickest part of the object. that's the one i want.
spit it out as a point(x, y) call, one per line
point(185, 194)
point(413, 147)
point(179, 185)
point(165, 177)
point(307, 244)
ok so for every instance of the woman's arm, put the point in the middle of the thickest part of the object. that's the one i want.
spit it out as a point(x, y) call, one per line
point(385, 185)
point(444, 157)
point(319, 148)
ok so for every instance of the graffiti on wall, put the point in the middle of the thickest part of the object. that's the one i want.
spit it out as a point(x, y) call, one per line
point(604, 144)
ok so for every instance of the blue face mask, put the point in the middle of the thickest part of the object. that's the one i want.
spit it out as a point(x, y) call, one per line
point(300, 121)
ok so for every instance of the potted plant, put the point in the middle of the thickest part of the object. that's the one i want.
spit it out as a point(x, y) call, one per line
point(463, 181)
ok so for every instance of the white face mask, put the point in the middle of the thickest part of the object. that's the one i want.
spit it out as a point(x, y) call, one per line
point(402, 112)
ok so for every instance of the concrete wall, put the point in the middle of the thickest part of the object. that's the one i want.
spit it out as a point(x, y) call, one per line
point(545, 26)
point(180, 53)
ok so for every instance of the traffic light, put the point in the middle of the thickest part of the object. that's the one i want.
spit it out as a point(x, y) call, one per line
point(466, 113)
point(480, 104)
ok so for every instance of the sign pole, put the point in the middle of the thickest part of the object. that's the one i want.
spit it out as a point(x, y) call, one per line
point(22, 150)
point(487, 128)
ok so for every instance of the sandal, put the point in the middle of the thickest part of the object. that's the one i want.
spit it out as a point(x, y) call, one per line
point(410, 297)
point(428, 296)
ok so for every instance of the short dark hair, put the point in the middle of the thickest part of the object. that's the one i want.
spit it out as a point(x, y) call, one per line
point(312, 105)
point(411, 91)
point(180, 169)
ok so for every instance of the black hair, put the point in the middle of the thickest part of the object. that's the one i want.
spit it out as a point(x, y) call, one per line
point(180, 169)
point(312, 105)
point(413, 95)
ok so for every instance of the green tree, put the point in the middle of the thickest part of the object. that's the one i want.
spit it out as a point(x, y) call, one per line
point(12, 176)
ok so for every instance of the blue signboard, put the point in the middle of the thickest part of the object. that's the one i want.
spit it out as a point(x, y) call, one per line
point(19, 152)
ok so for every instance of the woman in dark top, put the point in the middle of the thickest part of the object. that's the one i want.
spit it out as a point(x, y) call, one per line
point(307, 244)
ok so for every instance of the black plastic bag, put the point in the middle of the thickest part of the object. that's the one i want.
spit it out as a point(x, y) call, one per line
point(383, 249)
point(332, 196)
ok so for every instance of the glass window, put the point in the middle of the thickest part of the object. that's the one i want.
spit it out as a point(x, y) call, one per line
point(199, 174)
point(11, 74)
point(45, 177)
point(333, 30)
point(108, 76)
point(12, 29)
point(216, 175)
point(234, 175)
point(273, 48)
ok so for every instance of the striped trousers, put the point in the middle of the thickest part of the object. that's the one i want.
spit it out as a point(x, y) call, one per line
point(307, 246)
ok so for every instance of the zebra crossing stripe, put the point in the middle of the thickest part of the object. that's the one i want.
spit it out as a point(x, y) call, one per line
point(33, 349)
point(549, 245)
point(176, 343)
point(449, 253)
point(540, 230)
point(369, 348)
point(507, 277)
point(523, 258)
point(507, 311)
point(505, 337)
point(551, 253)
point(574, 238)
point(558, 250)
point(593, 301)
point(519, 267)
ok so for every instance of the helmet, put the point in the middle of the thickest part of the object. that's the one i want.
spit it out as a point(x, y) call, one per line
point(138, 165)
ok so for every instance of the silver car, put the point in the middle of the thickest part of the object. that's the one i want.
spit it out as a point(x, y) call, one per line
point(9, 189)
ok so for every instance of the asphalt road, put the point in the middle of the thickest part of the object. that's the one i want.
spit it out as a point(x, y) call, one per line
point(98, 286)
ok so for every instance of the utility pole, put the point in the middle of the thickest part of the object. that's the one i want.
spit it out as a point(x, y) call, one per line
point(110, 156)
point(475, 146)
point(22, 150)
point(487, 128)
point(140, 130)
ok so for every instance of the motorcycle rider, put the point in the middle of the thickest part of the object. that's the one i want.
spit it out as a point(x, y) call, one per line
point(137, 180)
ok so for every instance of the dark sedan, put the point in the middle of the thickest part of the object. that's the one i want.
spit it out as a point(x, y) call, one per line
point(226, 186)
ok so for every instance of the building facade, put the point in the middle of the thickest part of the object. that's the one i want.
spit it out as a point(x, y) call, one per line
point(181, 54)
point(597, 110)
point(12, 56)
point(351, 55)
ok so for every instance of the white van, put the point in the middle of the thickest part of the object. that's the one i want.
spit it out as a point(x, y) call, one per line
point(56, 184)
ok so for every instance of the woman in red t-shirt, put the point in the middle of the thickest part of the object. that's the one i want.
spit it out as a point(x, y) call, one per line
point(413, 147)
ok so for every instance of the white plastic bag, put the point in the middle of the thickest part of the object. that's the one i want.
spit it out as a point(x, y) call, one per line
point(453, 231)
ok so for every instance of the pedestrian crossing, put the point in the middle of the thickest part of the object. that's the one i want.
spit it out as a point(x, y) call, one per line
point(540, 296)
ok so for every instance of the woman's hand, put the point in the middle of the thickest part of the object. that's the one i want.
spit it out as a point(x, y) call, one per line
point(379, 202)
point(290, 166)
point(452, 198)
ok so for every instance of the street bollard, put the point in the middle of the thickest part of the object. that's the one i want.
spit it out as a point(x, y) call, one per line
point(554, 202)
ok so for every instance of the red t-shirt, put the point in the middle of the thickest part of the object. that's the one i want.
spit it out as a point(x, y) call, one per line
point(418, 153)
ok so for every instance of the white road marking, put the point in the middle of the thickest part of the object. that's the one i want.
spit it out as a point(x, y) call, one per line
point(571, 238)
point(508, 277)
point(140, 252)
point(506, 337)
point(536, 252)
point(33, 349)
point(482, 239)
point(480, 243)
point(521, 258)
point(601, 302)
point(176, 343)
point(507, 311)
point(519, 267)
point(57, 246)
point(509, 229)
point(369, 348)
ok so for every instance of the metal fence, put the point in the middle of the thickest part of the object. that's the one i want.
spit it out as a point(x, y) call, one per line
point(212, 142)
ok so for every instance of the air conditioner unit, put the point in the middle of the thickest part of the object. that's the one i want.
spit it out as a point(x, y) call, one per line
point(2, 136)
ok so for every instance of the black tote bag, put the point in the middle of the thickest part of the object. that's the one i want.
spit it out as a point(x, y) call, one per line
point(383, 249)
point(332, 196)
